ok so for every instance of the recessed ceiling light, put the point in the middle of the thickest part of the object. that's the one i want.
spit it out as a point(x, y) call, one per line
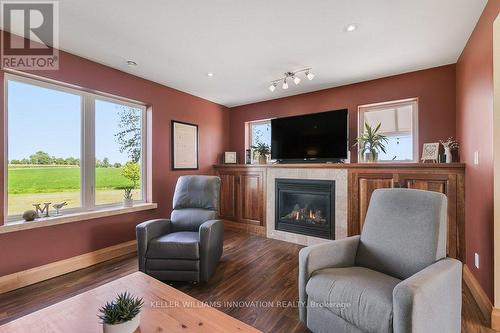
point(131, 63)
point(351, 27)
point(210, 74)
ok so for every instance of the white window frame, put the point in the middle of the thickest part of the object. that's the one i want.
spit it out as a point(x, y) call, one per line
point(87, 140)
point(250, 133)
point(362, 109)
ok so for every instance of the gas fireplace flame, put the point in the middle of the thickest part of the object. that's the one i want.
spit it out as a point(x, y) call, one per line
point(305, 215)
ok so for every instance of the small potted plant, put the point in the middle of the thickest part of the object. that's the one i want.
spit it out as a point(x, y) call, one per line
point(449, 146)
point(122, 314)
point(261, 150)
point(128, 200)
point(370, 143)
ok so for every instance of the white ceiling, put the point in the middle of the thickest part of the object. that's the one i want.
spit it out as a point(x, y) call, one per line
point(247, 43)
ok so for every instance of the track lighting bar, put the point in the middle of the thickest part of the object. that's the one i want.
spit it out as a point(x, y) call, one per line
point(293, 77)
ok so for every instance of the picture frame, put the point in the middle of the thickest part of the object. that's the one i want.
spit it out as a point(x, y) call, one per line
point(430, 152)
point(230, 157)
point(184, 146)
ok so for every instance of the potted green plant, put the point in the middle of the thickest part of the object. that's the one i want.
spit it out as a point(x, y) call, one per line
point(122, 314)
point(370, 143)
point(128, 200)
point(261, 150)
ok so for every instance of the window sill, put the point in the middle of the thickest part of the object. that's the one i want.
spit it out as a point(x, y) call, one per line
point(74, 217)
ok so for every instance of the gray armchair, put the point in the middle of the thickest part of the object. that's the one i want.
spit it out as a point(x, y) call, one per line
point(395, 277)
point(188, 246)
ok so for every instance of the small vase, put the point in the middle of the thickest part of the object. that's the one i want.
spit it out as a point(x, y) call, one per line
point(128, 202)
point(447, 153)
point(262, 159)
point(126, 327)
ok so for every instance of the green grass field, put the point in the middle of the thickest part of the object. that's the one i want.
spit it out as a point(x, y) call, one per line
point(61, 179)
point(28, 185)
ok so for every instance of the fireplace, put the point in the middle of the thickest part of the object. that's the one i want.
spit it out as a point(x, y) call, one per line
point(305, 207)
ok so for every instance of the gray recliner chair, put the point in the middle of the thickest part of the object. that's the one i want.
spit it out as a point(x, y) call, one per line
point(394, 277)
point(188, 246)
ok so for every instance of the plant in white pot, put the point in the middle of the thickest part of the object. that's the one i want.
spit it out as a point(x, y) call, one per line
point(122, 314)
point(128, 200)
point(449, 146)
point(370, 143)
point(261, 150)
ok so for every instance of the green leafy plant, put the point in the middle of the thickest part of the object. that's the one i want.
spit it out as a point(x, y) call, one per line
point(127, 193)
point(132, 171)
point(261, 149)
point(371, 141)
point(122, 309)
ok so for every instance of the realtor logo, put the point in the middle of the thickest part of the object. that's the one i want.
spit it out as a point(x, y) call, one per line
point(33, 41)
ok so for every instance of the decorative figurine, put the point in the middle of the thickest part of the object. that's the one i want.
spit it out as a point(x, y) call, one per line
point(42, 212)
point(29, 215)
point(58, 207)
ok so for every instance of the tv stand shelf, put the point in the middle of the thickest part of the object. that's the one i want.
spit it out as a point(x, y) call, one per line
point(244, 192)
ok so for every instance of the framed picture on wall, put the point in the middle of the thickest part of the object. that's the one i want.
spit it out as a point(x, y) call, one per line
point(184, 146)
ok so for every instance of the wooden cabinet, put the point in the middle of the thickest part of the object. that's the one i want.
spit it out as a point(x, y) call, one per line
point(242, 197)
point(228, 201)
point(362, 183)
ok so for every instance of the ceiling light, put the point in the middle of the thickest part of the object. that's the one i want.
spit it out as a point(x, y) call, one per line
point(309, 75)
point(291, 76)
point(351, 27)
point(131, 63)
point(210, 74)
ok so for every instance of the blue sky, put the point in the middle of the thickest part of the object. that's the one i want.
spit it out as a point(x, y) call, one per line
point(49, 120)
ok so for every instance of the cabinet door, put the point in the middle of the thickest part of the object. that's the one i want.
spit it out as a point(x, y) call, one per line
point(362, 186)
point(228, 208)
point(442, 183)
point(251, 197)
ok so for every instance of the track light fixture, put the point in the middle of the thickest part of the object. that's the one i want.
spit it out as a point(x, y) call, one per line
point(292, 76)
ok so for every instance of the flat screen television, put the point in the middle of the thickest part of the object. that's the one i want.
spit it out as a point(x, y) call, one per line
point(317, 137)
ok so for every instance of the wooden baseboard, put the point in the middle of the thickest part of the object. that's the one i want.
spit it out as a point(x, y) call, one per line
point(482, 300)
point(37, 274)
point(246, 228)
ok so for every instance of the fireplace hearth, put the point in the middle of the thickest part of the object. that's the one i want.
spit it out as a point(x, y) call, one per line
point(305, 207)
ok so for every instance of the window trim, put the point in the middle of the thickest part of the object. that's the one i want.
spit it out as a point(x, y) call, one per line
point(249, 134)
point(87, 141)
point(362, 109)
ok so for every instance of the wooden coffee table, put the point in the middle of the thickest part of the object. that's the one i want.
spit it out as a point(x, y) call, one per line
point(165, 310)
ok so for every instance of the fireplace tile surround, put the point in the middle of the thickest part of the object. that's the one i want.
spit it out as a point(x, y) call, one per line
point(339, 176)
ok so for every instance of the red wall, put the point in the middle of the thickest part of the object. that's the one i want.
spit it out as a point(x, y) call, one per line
point(434, 87)
point(26, 249)
point(475, 132)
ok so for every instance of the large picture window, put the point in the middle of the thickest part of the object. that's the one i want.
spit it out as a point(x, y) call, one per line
point(398, 122)
point(69, 145)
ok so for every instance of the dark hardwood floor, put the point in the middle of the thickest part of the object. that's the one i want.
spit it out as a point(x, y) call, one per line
point(254, 271)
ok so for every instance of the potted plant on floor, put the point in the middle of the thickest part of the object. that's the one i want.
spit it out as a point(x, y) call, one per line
point(122, 314)
point(370, 143)
point(261, 150)
point(128, 200)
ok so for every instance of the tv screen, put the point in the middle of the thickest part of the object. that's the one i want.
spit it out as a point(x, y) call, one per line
point(318, 136)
